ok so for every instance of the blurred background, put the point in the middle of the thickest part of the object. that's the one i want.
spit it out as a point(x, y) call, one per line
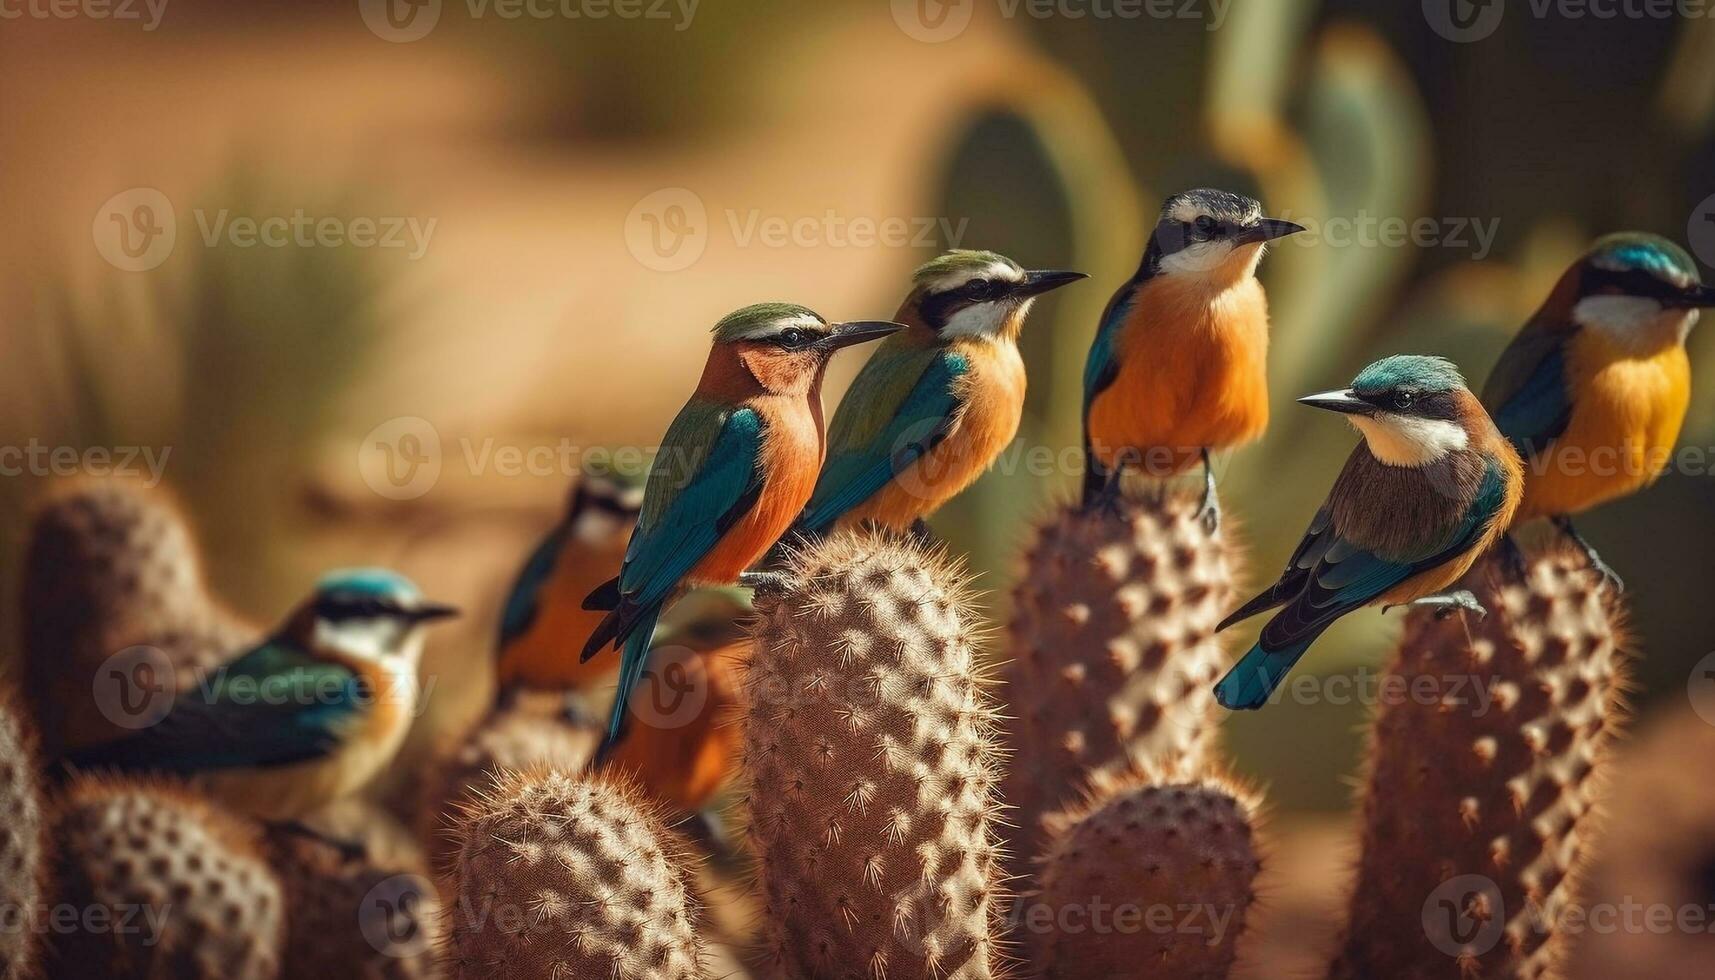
point(363, 282)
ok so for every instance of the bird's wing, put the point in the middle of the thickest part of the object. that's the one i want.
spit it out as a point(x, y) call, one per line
point(524, 600)
point(1526, 393)
point(1310, 549)
point(1101, 365)
point(706, 477)
point(898, 425)
point(273, 706)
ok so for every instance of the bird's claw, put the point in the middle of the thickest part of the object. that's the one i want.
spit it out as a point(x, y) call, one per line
point(920, 533)
point(1446, 604)
point(767, 584)
point(1210, 514)
point(1607, 573)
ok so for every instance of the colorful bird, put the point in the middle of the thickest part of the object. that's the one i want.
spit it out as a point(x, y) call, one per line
point(1179, 363)
point(734, 470)
point(308, 716)
point(938, 401)
point(543, 624)
point(1430, 488)
point(1593, 390)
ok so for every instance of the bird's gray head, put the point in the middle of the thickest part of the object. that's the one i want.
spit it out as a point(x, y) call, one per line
point(369, 613)
point(979, 294)
point(1412, 409)
point(1640, 290)
point(1209, 233)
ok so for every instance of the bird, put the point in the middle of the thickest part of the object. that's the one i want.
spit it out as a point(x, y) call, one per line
point(1178, 366)
point(1593, 389)
point(543, 624)
point(734, 470)
point(937, 402)
point(1430, 488)
point(307, 716)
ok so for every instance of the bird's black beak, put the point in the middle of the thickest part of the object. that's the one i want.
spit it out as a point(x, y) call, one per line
point(855, 332)
point(1697, 297)
point(1345, 402)
point(1039, 281)
point(1267, 230)
point(428, 612)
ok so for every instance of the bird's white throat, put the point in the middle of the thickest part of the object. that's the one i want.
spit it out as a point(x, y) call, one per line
point(1634, 323)
point(1403, 440)
point(990, 319)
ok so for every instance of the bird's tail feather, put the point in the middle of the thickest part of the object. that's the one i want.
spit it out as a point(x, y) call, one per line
point(605, 597)
point(1254, 678)
point(631, 665)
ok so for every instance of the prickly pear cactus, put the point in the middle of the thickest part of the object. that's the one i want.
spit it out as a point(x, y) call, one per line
point(563, 876)
point(1478, 798)
point(1113, 654)
point(169, 885)
point(1159, 878)
point(23, 838)
point(870, 753)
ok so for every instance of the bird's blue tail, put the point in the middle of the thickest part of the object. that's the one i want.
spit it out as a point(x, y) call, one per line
point(634, 657)
point(1248, 685)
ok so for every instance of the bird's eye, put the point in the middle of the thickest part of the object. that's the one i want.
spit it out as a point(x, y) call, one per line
point(980, 288)
point(1403, 400)
point(1208, 227)
point(793, 337)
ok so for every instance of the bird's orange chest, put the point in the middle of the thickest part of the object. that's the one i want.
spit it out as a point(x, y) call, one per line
point(792, 450)
point(1193, 372)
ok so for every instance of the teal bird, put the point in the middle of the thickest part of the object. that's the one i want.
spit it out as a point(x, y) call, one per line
point(938, 401)
point(1432, 486)
point(735, 468)
point(309, 716)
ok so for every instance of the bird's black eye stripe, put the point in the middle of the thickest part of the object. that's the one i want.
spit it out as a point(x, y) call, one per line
point(340, 607)
point(792, 338)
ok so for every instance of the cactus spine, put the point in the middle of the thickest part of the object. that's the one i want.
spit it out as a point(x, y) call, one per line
point(1114, 655)
point(22, 841)
point(169, 887)
point(1145, 881)
point(871, 761)
point(562, 876)
point(1475, 809)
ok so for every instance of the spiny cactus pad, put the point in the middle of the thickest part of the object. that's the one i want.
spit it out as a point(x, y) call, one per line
point(563, 876)
point(1475, 813)
point(1113, 653)
point(168, 886)
point(22, 839)
point(1144, 881)
point(870, 754)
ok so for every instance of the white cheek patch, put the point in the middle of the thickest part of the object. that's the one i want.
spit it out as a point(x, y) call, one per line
point(983, 319)
point(1201, 259)
point(1400, 440)
point(370, 639)
point(595, 527)
point(1634, 322)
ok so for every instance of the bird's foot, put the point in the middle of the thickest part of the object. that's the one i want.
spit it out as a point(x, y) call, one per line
point(768, 584)
point(350, 851)
point(1210, 513)
point(1446, 604)
point(920, 533)
point(1597, 565)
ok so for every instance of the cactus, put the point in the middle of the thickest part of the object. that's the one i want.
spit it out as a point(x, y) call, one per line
point(1113, 654)
point(366, 919)
point(562, 876)
point(871, 761)
point(167, 884)
point(1477, 798)
point(1145, 880)
point(22, 842)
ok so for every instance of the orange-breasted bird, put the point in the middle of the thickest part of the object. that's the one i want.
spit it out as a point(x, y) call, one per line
point(938, 401)
point(543, 623)
point(1593, 390)
point(734, 470)
point(1179, 363)
point(1430, 488)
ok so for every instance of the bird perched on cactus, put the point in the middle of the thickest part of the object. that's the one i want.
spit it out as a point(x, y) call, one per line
point(1179, 364)
point(306, 717)
point(1593, 390)
point(1430, 488)
point(734, 469)
point(938, 401)
point(543, 623)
